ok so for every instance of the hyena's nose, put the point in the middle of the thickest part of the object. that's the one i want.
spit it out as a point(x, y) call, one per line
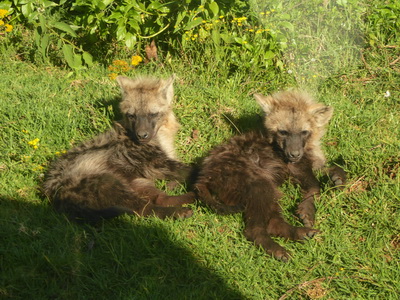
point(294, 155)
point(143, 135)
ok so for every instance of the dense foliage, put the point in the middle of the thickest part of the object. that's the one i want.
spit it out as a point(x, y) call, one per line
point(80, 32)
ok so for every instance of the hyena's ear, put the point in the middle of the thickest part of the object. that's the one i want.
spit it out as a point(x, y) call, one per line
point(266, 102)
point(124, 82)
point(167, 89)
point(322, 115)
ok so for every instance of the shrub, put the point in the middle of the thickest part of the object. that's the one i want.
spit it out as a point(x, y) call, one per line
point(79, 32)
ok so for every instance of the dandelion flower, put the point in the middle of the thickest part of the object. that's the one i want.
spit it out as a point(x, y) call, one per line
point(136, 59)
point(9, 28)
point(34, 143)
point(112, 76)
point(3, 12)
point(1, 22)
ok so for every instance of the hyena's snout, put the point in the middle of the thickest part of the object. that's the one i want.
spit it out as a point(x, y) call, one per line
point(294, 147)
point(144, 128)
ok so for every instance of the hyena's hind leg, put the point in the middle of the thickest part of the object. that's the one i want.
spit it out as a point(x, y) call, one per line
point(105, 196)
point(259, 210)
point(264, 219)
point(143, 202)
point(145, 189)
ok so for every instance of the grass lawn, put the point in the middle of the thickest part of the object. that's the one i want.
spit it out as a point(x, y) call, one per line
point(45, 110)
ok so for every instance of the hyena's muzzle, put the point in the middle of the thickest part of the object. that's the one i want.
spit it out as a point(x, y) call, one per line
point(293, 145)
point(145, 127)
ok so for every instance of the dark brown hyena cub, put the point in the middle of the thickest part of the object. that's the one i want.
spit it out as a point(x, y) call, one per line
point(244, 174)
point(114, 173)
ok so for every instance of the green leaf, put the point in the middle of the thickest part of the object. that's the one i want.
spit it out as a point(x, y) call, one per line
point(42, 22)
point(37, 38)
point(121, 32)
point(216, 37)
point(26, 10)
point(214, 8)
point(6, 5)
point(130, 40)
point(134, 25)
point(287, 25)
point(88, 58)
point(43, 45)
point(49, 4)
point(68, 55)
point(269, 55)
point(65, 27)
point(193, 23)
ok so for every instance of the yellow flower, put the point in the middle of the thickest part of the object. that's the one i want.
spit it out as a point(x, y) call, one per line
point(1, 22)
point(38, 168)
point(119, 62)
point(3, 13)
point(112, 76)
point(9, 28)
point(136, 59)
point(34, 143)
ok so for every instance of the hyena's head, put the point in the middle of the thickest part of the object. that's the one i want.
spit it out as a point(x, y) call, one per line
point(294, 122)
point(146, 105)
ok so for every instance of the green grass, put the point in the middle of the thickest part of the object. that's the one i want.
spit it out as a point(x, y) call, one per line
point(44, 256)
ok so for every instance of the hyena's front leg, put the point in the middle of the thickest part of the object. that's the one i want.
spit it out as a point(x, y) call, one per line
point(338, 176)
point(311, 191)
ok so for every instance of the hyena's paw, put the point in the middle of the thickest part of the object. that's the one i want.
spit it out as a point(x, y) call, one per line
point(338, 176)
point(306, 212)
point(304, 233)
point(183, 213)
point(279, 253)
point(261, 238)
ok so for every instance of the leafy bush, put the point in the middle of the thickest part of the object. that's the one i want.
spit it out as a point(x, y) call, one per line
point(80, 31)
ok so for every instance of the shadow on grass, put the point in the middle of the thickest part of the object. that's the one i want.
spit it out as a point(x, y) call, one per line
point(244, 123)
point(43, 256)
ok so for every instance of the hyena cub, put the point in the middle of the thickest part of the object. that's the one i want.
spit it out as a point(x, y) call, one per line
point(114, 173)
point(244, 174)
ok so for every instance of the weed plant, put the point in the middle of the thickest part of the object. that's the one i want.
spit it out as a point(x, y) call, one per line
point(46, 110)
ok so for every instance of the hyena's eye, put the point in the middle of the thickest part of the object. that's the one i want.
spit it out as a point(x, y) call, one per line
point(130, 116)
point(283, 132)
point(154, 115)
point(305, 133)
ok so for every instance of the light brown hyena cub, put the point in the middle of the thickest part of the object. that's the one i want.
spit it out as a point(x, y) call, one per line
point(114, 173)
point(244, 174)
